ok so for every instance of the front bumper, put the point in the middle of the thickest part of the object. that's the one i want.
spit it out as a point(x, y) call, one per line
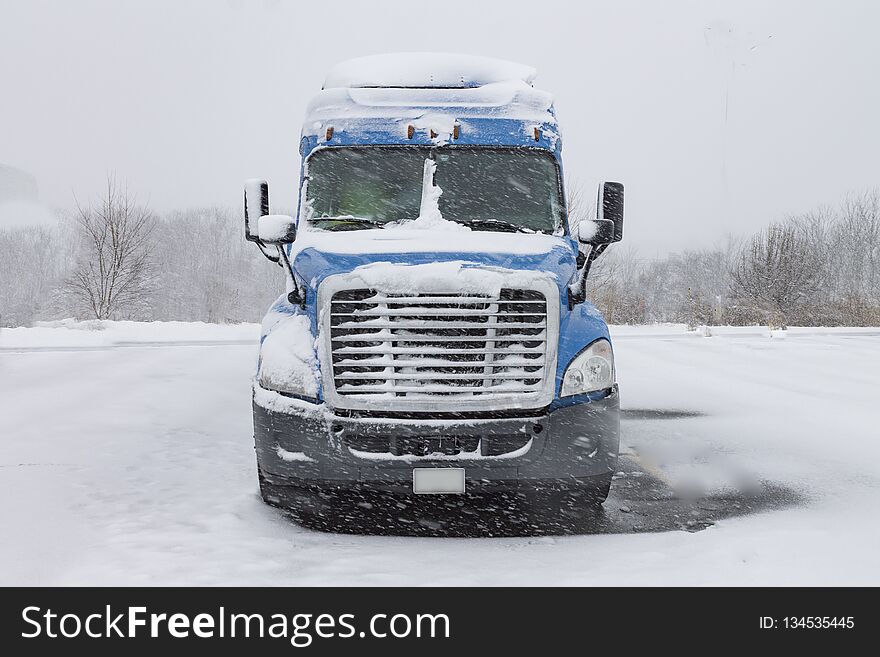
point(304, 444)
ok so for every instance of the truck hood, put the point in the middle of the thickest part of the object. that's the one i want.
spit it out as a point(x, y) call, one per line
point(318, 254)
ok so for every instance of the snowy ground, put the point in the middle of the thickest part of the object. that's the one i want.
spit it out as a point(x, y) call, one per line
point(126, 458)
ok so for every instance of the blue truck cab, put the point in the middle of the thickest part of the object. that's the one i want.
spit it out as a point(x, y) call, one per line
point(434, 338)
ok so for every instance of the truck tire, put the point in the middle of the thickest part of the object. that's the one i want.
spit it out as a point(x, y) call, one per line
point(584, 496)
point(568, 508)
point(600, 492)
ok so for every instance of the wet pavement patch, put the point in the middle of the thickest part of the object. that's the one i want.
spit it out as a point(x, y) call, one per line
point(642, 502)
point(639, 502)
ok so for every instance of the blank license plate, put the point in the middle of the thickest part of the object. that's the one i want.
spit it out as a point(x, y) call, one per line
point(438, 480)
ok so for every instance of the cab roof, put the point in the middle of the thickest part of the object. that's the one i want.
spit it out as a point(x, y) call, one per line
point(430, 98)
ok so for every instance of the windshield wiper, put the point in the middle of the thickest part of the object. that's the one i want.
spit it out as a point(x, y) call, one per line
point(497, 224)
point(348, 221)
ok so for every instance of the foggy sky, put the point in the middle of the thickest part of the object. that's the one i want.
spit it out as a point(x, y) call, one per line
point(718, 116)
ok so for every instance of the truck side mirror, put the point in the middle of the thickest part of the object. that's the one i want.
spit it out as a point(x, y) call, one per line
point(277, 229)
point(600, 232)
point(256, 205)
point(610, 207)
point(596, 231)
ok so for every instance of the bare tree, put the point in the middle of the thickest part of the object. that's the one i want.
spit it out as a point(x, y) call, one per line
point(111, 276)
point(776, 270)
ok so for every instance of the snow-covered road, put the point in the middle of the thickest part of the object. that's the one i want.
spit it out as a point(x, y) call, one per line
point(126, 458)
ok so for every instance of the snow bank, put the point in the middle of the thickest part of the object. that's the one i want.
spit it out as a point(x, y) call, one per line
point(425, 69)
point(70, 333)
point(287, 358)
point(626, 331)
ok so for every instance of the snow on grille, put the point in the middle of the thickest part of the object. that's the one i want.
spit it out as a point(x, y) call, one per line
point(438, 347)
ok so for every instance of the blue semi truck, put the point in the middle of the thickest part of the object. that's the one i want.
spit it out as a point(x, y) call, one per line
point(434, 338)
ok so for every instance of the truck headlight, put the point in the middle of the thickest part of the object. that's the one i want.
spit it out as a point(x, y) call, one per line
point(591, 370)
point(290, 385)
point(287, 359)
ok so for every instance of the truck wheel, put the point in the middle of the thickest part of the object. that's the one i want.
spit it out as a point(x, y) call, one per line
point(600, 492)
point(584, 496)
point(570, 507)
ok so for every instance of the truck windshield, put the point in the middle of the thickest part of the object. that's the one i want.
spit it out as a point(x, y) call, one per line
point(506, 189)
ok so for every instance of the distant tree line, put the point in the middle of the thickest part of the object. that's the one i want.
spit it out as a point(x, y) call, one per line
point(116, 259)
point(821, 268)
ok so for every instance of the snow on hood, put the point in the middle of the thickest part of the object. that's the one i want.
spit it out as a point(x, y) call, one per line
point(439, 277)
point(318, 254)
point(439, 238)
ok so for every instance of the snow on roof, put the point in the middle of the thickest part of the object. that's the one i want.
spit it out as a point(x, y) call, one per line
point(512, 99)
point(359, 110)
point(425, 70)
point(432, 93)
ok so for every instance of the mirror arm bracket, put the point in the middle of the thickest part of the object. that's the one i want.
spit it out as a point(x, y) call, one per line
point(577, 293)
point(297, 296)
point(268, 254)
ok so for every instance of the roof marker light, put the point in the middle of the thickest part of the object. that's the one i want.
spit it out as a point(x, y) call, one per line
point(433, 134)
point(329, 134)
point(455, 129)
point(537, 134)
point(410, 131)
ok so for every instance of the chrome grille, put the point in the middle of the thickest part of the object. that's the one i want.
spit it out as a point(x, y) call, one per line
point(439, 351)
